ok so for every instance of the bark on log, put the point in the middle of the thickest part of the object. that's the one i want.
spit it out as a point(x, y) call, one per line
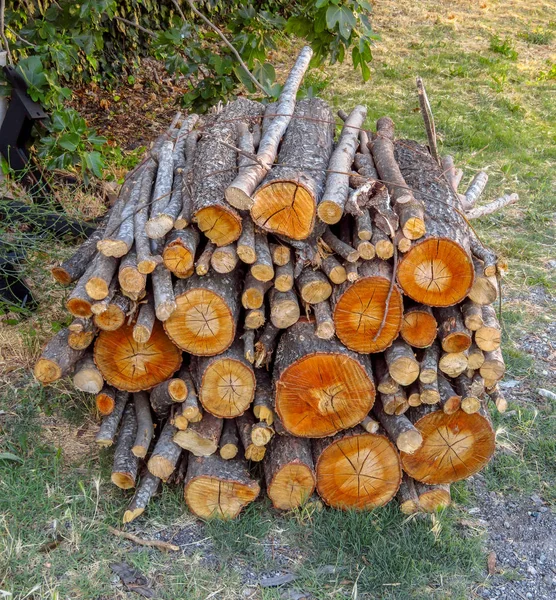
point(246, 242)
point(352, 271)
point(313, 286)
point(248, 338)
point(470, 393)
point(143, 327)
point(239, 192)
point(185, 216)
point(87, 378)
point(370, 425)
point(498, 398)
point(254, 291)
point(333, 202)
point(254, 318)
point(407, 496)
point(402, 364)
point(450, 402)
point(359, 308)
point(453, 363)
point(201, 439)
point(179, 251)
point(57, 359)
point(266, 344)
point(229, 440)
point(145, 430)
point(202, 266)
point(419, 326)
point(334, 270)
point(157, 225)
point(384, 248)
point(109, 426)
point(413, 395)
point(433, 498)
point(284, 279)
point(475, 357)
point(489, 337)
point(429, 364)
point(364, 226)
point(384, 382)
point(324, 325)
point(493, 368)
point(215, 168)
point(163, 397)
point(163, 291)
point(105, 400)
point(134, 366)
point(81, 333)
point(429, 393)
point(225, 383)
point(224, 259)
point(475, 189)
point(205, 320)
point(262, 269)
point(356, 470)
point(218, 489)
point(261, 433)
point(146, 262)
point(399, 428)
point(289, 472)
point(245, 424)
point(146, 489)
point(281, 254)
point(124, 469)
point(264, 397)
point(438, 269)
point(485, 288)
point(115, 314)
point(452, 332)
point(166, 453)
point(492, 207)
point(340, 247)
point(284, 308)
point(321, 387)
point(286, 202)
point(472, 315)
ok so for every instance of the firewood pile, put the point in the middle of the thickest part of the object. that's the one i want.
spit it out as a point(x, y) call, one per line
point(269, 304)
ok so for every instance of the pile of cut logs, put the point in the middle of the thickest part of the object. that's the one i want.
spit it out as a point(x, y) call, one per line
point(263, 291)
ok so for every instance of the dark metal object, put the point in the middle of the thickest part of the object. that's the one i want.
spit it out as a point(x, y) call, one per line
point(14, 293)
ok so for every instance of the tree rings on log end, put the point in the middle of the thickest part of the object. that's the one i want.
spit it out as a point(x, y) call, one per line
point(358, 471)
point(454, 447)
point(61, 275)
point(285, 208)
point(134, 366)
point(291, 486)
point(436, 272)
point(419, 327)
point(202, 323)
point(321, 394)
point(220, 226)
point(330, 212)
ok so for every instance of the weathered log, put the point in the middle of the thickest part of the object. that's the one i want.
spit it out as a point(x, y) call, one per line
point(450, 402)
point(429, 363)
point(146, 262)
point(370, 425)
point(453, 363)
point(109, 426)
point(229, 440)
point(433, 498)
point(163, 290)
point(166, 453)
point(356, 470)
point(239, 193)
point(81, 333)
point(132, 281)
point(202, 266)
point(407, 496)
point(145, 429)
point(475, 189)
point(105, 400)
point(204, 322)
point(471, 391)
point(488, 337)
point(185, 215)
point(246, 242)
point(261, 433)
point(218, 489)
point(472, 315)
point(284, 278)
point(281, 254)
point(485, 288)
point(254, 318)
point(365, 248)
point(201, 439)
point(284, 308)
point(143, 326)
point(191, 407)
point(135, 366)
point(165, 395)
point(324, 322)
point(289, 472)
point(493, 368)
point(364, 226)
point(248, 339)
point(57, 359)
point(454, 447)
point(179, 251)
point(429, 393)
point(262, 269)
point(492, 207)
point(340, 247)
point(266, 344)
point(321, 387)
point(313, 286)
point(352, 270)
point(124, 469)
point(394, 404)
point(385, 384)
point(401, 361)
point(332, 205)
point(475, 357)
point(87, 378)
point(254, 291)
point(333, 269)
point(402, 243)
point(225, 383)
point(384, 248)
point(245, 423)
point(438, 269)
point(419, 326)
point(399, 428)
point(157, 226)
point(496, 395)
point(452, 332)
point(115, 313)
point(262, 403)
point(407, 205)
point(79, 303)
point(146, 489)
point(414, 395)
point(215, 168)
point(359, 309)
point(224, 259)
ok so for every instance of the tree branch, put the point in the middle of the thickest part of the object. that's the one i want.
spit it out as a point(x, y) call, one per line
point(3, 32)
point(428, 118)
point(491, 207)
point(136, 25)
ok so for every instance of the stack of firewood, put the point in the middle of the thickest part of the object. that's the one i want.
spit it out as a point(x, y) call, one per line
point(263, 292)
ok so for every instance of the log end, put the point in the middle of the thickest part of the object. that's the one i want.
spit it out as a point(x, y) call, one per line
point(262, 272)
point(220, 226)
point(291, 486)
point(79, 307)
point(419, 328)
point(125, 481)
point(329, 212)
point(47, 371)
point(157, 227)
point(115, 248)
point(61, 275)
point(227, 388)
point(131, 515)
point(159, 466)
point(237, 198)
point(414, 228)
point(88, 380)
point(179, 260)
point(229, 451)
point(435, 499)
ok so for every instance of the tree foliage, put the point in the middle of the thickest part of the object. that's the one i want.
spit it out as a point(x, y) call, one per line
point(58, 43)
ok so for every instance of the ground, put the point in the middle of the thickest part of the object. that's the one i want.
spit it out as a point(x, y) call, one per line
point(490, 70)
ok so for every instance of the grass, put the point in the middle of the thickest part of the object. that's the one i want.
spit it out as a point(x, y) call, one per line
point(489, 70)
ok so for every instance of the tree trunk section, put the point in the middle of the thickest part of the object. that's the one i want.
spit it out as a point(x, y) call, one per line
point(201, 438)
point(489, 337)
point(229, 440)
point(124, 469)
point(402, 364)
point(57, 359)
point(452, 332)
point(109, 426)
point(145, 430)
point(87, 378)
point(419, 326)
point(166, 453)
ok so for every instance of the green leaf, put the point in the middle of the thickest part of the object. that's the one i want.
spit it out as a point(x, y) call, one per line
point(10, 456)
point(96, 140)
point(343, 18)
point(32, 71)
point(321, 3)
point(69, 141)
point(94, 163)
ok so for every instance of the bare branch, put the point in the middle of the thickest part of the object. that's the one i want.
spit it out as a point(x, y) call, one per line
point(136, 25)
point(428, 118)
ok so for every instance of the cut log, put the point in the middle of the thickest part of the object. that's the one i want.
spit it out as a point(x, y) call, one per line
point(452, 332)
point(79, 302)
point(402, 364)
point(407, 496)
point(407, 205)
point(384, 248)
point(115, 314)
point(201, 438)
point(336, 191)
point(132, 281)
point(261, 433)
point(324, 326)
point(472, 315)
point(215, 167)
point(414, 395)
point(352, 271)
point(105, 400)
point(393, 404)
point(179, 251)
point(400, 429)
point(218, 489)
point(334, 270)
point(419, 326)
point(262, 269)
point(454, 447)
point(489, 337)
point(438, 269)
point(166, 453)
point(498, 398)
point(313, 286)
point(143, 327)
point(191, 407)
point(364, 226)
point(109, 426)
point(245, 424)
point(475, 357)
point(321, 387)
point(340, 247)
point(225, 383)
point(281, 254)
point(266, 344)
point(146, 262)
point(124, 469)
point(450, 402)
point(146, 489)
point(402, 243)
point(359, 309)
point(157, 226)
point(429, 393)
point(453, 363)
point(134, 366)
point(365, 248)
point(262, 403)
point(254, 291)
point(475, 189)
point(57, 359)
point(289, 472)
point(485, 289)
point(204, 322)
point(81, 333)
point(429, 363)
point(370, 425)
point(229, 440)
point(87, 378)
point(202, 266)
point(246, 242)
point(145, 429)
point(356, 470)
point(99, 280)
point(224, 259)
point(165, 395)
point(163, 290)
point(248, 339)
point(493, 368)
point(254, 318)
point(433, 498)
point(184, 218)
point(239, 192)
point(470, 393)
point(284, 308)
point(385, 384)
point(284, 279)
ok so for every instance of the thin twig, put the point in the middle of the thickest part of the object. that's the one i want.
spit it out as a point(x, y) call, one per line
point(137, 540)
point(3, 32)
point(136, 25)
point(21, 39)
point(224, 39)
point(428, 118)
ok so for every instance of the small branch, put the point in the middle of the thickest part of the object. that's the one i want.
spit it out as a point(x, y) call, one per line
point(21, 39)
point(492, 207)
point(3, 32)
point(390, 289)
point(137, 540)
point(224, 39)
point(428, 118)
point(136, 25)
